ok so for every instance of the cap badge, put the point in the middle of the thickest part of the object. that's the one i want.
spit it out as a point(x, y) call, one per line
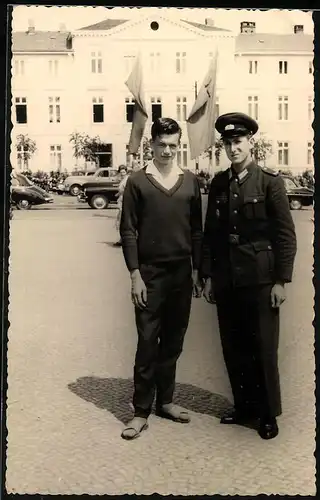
point(229, 127)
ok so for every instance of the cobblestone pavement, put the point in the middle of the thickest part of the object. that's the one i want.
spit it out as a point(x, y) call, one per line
point(71, 349)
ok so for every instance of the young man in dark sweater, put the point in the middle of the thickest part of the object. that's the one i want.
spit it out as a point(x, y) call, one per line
point(161, 232)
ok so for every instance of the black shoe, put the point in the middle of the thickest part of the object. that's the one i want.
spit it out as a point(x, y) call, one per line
point(268, 429)
point(236, 417)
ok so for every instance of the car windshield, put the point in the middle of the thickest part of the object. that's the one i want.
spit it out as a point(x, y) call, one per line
point(290, 183)
point(23, 180)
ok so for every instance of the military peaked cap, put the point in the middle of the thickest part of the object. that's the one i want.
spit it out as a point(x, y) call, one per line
point(236, 124)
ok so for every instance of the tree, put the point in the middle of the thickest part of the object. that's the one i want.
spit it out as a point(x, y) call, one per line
point(147, 153)
point(26, 147)
point(85, 147)
point(262, 148)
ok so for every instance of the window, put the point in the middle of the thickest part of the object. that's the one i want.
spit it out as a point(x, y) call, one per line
point(155, 62)
point(217, 157)
point(253, 67)
point(283, 153)
point(283, 67)
point(129, 109)
point(182, 156)
point(53, 67)
point(181, 108)
point(128, 63)
point(55, 156)
point(310, 67)
point(310, 108)
point(21, 109)
point(253, 106)
point(283, 110)
point(289, 184)
point(156, 108)
point(217, 106)
point(98, 109)
point(181, 62)
point(22, 158)
point(19, 67)
point(310, 154)
point(54, 109)
point(96, 62)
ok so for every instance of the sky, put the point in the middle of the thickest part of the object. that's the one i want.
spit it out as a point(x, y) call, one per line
point(49, 18)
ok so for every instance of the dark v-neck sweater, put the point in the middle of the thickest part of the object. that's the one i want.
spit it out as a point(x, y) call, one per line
point(161, 225)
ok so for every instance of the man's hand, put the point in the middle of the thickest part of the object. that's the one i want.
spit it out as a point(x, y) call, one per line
point(197, 285)
point(208, 291)
point(138, 290)
point(278, 295)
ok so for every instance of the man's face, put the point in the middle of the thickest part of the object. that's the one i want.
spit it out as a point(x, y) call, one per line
point(165, 147)
point(238, 148)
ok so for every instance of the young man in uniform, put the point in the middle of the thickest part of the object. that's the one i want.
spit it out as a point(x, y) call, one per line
point(161, 232)
point(249, 249)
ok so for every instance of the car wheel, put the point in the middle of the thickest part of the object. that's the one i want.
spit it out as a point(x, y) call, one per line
point(295, 204)
point(75, 189)
point(23, 204)
point(99, 202)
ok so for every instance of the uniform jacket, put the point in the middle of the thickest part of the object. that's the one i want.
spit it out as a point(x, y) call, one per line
point(249, 235)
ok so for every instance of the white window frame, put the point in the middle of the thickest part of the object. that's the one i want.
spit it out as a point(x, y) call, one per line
point(96, 62)
point(21, 162)
point(55, 151)
point(156, 100)
point(155, 62)
point(97, 100)
point(283, 108)
point(253, 106)
point(283, 67)
point(54, 109)
point(217, 109)
point(181, 63)
point(181, 108)
point(53, 67)
point(253, 67)
point(21, 101)
point(310, 108)
point(129, 101)
point(129, 60)
point(309, 153)
point(182, 155)
point(283, 153)
point(19, 67)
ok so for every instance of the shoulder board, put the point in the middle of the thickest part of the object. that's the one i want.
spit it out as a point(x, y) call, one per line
point(269, 171)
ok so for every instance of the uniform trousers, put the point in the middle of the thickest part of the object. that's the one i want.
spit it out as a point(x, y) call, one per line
point(249, 329)
point(161, 328)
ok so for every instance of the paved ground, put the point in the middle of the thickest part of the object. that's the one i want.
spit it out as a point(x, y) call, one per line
point(71, 348)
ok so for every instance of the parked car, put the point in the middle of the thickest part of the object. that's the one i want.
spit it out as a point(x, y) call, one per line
point(299, 196)
point(73, 184)
point(99, 193)
point(25, 194)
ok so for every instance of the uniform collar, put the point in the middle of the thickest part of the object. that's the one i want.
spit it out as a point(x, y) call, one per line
point(243, 175)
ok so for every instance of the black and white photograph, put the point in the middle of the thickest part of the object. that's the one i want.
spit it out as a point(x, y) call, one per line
point(161, 301)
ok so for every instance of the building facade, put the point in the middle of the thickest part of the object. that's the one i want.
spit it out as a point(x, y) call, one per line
point(66, 83)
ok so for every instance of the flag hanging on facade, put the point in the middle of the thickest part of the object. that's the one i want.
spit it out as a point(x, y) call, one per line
point(201, 120)
point(140, 116)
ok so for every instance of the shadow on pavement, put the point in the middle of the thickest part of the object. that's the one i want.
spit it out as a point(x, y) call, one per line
point(115, 395)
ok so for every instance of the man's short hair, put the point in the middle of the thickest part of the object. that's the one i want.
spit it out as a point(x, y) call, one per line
point(165, 126)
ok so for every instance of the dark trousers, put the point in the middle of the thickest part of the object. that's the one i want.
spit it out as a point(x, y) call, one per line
point(249, 329)
point(161, 329)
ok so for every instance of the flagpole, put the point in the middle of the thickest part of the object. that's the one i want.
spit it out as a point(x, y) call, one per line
point(196, 95)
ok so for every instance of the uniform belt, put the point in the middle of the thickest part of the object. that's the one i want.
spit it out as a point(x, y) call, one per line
point(237, 239)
